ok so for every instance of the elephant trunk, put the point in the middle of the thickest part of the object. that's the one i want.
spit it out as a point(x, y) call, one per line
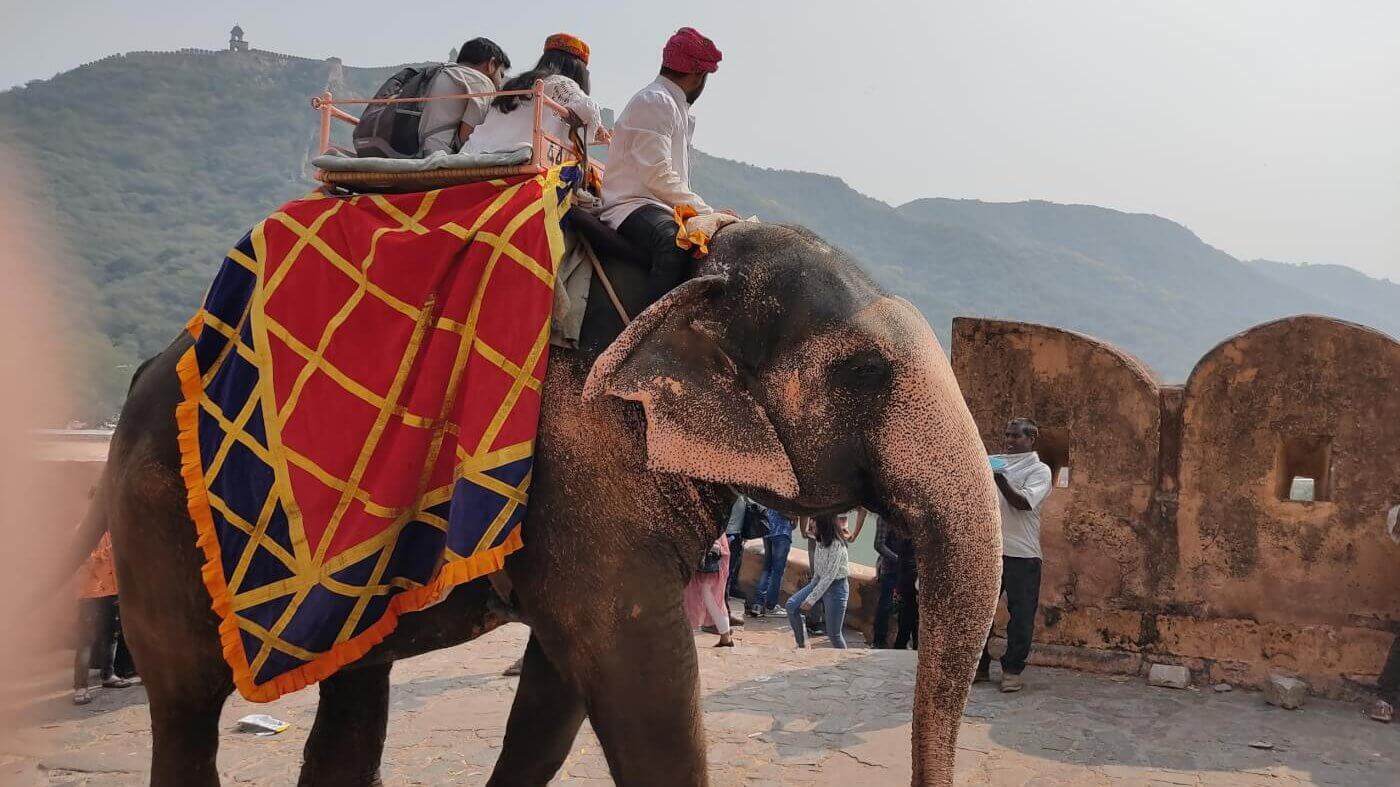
point(933, 478)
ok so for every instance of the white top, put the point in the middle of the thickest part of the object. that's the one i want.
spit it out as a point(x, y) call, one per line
point(829, 563)
point(1020, 530)
point(442, 119)
point(503, 131)
point(649, 157)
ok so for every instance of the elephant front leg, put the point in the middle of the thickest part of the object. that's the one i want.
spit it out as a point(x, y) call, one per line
point(544, 720)
point(643, 700)
point(347, 738)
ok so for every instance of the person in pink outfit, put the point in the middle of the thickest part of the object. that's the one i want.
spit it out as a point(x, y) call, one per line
point(704, 596)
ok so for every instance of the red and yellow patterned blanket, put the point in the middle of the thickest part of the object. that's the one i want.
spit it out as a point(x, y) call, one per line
point(359, 414)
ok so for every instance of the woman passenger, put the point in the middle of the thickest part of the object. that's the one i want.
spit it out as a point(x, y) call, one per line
point(510, 122)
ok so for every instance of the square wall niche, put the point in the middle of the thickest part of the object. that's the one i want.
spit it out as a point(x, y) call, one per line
point(1303, 468)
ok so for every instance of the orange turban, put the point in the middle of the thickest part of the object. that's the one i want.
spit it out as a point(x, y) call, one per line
point(563, 42)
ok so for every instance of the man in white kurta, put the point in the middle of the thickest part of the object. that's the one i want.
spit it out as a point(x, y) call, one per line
point(1023, 482)
point(648, 171)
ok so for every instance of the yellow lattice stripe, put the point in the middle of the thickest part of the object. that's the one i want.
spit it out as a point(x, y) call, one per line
point(244, 260)
point(411, 223)
point(234, 341)
point(285, 264)
point(228, 428)
point(508, 404)
point(254, 541)
point(232, 517)
point(329, 369)
point(281, 644)
point(506, 511)
point(272, 426)
point(504, 364)
point(521, 258)
point(233, 433)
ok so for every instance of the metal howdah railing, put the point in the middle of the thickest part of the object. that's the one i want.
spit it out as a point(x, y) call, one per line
point(547, 150)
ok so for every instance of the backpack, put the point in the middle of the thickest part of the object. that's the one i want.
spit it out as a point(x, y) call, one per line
point(391, 130)
point(755, 523)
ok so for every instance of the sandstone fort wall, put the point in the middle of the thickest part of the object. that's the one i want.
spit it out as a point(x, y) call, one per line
point(1181, 531)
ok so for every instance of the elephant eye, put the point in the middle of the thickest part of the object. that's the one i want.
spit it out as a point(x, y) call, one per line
point(867, 371)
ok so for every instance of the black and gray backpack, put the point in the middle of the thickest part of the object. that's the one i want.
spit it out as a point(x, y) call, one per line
point(391, 130)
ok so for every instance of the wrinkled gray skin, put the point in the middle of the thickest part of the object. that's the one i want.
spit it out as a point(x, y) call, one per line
point(781, 370)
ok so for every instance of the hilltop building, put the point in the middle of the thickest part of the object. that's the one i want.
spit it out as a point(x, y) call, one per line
point(235, 40)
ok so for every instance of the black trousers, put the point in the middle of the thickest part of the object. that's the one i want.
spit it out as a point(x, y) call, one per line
point(736, 562)
point(653, 228)
point(884, 608)
point(1389, 684)
point(97, 643)
point(1020, 581)
point(908, 592)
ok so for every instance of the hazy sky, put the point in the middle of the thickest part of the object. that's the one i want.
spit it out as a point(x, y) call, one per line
point(1270, 127)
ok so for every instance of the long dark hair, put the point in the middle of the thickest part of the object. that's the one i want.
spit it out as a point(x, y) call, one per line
point(826, 529)
point(551, 62)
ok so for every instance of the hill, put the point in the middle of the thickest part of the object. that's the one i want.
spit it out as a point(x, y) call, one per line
point(1143, 282)
point(155, 163)
point(1378, 299)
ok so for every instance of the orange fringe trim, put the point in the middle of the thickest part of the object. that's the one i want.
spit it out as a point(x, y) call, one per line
point(449, 576)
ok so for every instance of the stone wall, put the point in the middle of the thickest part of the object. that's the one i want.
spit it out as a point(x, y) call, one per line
point(1175, 539)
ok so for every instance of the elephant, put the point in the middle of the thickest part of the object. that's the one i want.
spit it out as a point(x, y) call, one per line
point(779, 370)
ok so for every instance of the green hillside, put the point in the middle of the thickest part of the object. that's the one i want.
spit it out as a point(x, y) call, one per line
point(155, 163)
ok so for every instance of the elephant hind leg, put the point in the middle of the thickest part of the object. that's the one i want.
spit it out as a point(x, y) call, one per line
point(347, 738)
point(544, 720)
point(185, 737)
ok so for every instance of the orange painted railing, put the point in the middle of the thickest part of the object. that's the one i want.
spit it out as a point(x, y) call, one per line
point(547, 149)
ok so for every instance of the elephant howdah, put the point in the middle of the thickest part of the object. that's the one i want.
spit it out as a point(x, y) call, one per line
point(779, 369)
point(359, 414)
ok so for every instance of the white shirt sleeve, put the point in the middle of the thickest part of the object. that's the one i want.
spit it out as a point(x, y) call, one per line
point(566, 93)
point(1036, 486)
point(654, 124)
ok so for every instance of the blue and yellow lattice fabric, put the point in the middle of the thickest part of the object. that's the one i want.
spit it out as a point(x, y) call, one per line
point(359, 414)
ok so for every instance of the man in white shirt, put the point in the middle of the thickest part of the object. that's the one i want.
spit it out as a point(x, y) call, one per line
point(648, 174)
point(1023, 482)
point(446, 123)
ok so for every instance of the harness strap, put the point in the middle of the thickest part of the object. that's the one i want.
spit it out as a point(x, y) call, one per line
point(582, 147)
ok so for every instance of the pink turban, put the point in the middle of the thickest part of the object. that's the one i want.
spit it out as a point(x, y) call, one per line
point(690, 53)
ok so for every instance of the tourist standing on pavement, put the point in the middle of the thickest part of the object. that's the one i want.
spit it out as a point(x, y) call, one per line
point(830, 567)
point(776, 546)
point(906, 593)
point(99, 624)
point(1388, 686)
point(705, 602)
point(1023, 482)
point(886, 574)
point(734, 533)
point(816, 619)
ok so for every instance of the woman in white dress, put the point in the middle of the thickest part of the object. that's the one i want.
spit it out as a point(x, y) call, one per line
point(510, 123)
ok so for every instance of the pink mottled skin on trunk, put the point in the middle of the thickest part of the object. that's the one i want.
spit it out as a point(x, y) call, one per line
point(936, 473)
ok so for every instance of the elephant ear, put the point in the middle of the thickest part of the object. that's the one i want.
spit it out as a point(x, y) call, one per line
point(701, 421)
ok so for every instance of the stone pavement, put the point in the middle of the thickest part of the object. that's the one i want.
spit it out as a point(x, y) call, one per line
point(774, 715)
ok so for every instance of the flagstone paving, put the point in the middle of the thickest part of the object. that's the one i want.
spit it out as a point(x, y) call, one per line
point(773, 715)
